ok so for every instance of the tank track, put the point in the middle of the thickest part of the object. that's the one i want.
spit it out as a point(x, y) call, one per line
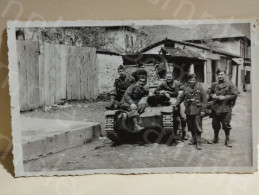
point(168, 123)
point(110, 129)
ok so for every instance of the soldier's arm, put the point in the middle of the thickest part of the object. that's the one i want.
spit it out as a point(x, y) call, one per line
point(127, 95)
point(180, 99)
point(159, 88)
point(204, 100)
point(114, 89)
point(232, 93)
point(211, 91)
point(176, 91)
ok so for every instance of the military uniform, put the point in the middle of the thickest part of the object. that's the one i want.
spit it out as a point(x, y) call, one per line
point(195, 100)
point(133, 95)
point(222, 109)
point(172, 88)
point(121, 85)
point(137, 73)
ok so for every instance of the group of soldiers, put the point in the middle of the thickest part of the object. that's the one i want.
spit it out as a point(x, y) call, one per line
point(191, 96)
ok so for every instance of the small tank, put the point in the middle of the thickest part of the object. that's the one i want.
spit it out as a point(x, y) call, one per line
point(156, 120)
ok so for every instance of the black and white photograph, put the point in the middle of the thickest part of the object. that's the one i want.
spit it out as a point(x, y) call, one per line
point(133, 96)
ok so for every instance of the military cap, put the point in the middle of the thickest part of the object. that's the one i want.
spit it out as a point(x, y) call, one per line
point(190, 76)
point(221, 70)
point(140, 64)
point(121, 67)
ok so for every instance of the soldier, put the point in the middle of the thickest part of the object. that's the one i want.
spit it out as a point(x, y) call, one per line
point(131, 101)
point(161, 70)
point(170, 87)
point(120, 86)
point(140, 71)
point(195, 99)
point(223, 95)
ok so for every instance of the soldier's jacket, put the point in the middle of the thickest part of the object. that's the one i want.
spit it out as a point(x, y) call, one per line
point(195, 99)
point(173, 88)
point(120, 86)
point(134, 93)
point(226, 89)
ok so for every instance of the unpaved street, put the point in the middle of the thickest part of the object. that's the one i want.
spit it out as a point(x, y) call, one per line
point(101, 154)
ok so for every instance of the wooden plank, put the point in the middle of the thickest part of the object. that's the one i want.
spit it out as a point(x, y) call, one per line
point(94, 69)
point(22, 74)
point(58, 74)
point(73, 71)
point(41, 77)
point(78, 64)
point(46, 74)
point(35, 75)
point(63, 71)
point(87, 72)
point(68, 73)
point(28, 76)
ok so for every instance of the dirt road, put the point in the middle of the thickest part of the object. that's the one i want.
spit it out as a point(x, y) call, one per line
point(100, 154)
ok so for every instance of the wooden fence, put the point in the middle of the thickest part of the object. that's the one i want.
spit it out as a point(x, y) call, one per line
point(50, 73)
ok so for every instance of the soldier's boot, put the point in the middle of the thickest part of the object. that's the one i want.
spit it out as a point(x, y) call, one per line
point(216, 136)
point(137, 127)
point(227, 143)
point(184, 135)
point(193, 141)
point(198, 145)
point(183, 124)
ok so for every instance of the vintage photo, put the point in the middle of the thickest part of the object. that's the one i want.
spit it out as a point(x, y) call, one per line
point(133, 96)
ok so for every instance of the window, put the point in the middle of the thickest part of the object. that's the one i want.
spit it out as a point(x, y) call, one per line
point(131, 41)
point(127, 41)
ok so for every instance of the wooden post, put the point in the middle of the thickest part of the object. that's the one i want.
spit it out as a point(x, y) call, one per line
point(205, 72)
point(191, 69)
point(234, 73)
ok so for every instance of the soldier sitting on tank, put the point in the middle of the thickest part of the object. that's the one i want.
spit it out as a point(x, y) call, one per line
point(121, 84)
point(131, 101)
point(170, 88)
point(140, 71)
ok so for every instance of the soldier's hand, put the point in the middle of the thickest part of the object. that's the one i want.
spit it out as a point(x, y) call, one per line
point(202, 113)
point(221, 97)
point(133, 106)
point(214, 96)
point(141, 108)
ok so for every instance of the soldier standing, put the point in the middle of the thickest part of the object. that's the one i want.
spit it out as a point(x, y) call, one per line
point(140, 71)
point(120, 86)
point(195, 99)
point(223, 94)
point(131, 101)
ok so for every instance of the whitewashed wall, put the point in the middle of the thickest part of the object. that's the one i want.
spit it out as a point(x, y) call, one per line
point(107, 71)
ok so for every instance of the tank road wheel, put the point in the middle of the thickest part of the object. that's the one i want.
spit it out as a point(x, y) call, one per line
point(110, 129)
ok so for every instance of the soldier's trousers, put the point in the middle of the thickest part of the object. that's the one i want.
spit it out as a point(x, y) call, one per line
point(130, 112)
point(221, 120)
point(194, 123)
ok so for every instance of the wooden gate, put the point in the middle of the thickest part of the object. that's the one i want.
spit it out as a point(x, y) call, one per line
point(50, 73)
